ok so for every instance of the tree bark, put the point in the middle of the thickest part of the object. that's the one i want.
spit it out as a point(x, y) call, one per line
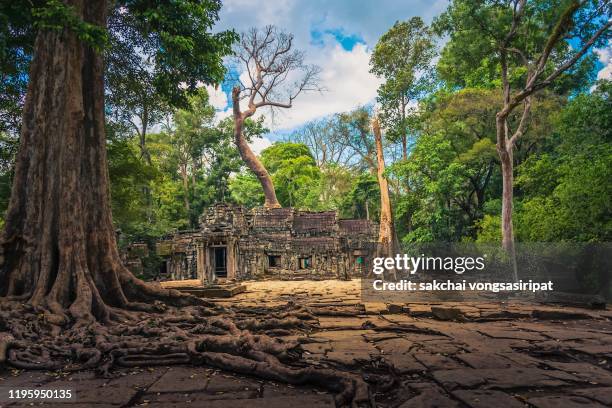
point(404, 135)
point(386, 237)
point(58, 245)
point(249, 158)
point(144, 151)
point(507, 197)
point(185, 179)
point(505, 151)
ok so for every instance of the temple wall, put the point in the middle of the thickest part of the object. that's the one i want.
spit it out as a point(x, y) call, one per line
point(268, 244)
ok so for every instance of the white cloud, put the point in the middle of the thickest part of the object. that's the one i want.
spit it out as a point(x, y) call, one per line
point(346, 81)
point(260, 144)
point(217, 98)
point(605, 57)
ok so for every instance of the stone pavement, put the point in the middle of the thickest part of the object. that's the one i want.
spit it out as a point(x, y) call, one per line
point(478, 355)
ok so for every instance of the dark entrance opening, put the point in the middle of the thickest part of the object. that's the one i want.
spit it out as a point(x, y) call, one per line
point(163, 269)
point(274, 261)
point(220, 262)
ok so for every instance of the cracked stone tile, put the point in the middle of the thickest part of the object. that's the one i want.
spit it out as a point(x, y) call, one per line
point(459, 378)
point(348, 357)
point(436, 361)
point(443, 347)
point(594, 350)
point(519, 377)
point(586, 372)
point(484, 360)
point(404, 363)
point(333, 322)
point(508, 378)
point(271, 389)
point(563, 401)
point(226, 383)
point(487, 399)
point(499, 333)
point(599, 394)
point(342, 335)
point(181, 379)
point(429, 396)
point(396, 345)
point(140, 379)
point(195, 397)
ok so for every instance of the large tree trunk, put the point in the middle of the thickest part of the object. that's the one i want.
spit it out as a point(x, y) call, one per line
point(386, 237)
point(507, 195)
point(504, 149)
point(249, 158)
point(59, 244)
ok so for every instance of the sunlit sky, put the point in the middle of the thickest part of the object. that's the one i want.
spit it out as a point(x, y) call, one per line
point(338, 36)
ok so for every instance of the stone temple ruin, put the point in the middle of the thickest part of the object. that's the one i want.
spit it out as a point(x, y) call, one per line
point(282, 243)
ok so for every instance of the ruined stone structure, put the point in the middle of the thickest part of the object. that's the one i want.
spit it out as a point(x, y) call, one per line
point(282, 243)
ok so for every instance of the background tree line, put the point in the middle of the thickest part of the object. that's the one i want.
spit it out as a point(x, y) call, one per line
point(169, 158)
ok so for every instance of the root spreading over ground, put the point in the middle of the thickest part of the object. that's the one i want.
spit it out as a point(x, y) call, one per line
point(241, 340)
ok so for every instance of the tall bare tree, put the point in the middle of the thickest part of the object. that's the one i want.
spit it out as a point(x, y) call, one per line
point(386, 237)
point(275, 75)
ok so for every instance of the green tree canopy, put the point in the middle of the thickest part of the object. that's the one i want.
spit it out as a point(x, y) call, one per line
point(478, 29)
point(402, 57)
point(157, 52)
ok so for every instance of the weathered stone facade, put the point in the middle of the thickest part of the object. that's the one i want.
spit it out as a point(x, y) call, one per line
point(283, 243)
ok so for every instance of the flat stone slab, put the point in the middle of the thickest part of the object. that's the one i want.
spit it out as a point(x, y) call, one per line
point(216, 291)
point(599, 394)
point(509, 378)
point(487, 399)
point(429, 395)
point(182, 379)
point(564, 401)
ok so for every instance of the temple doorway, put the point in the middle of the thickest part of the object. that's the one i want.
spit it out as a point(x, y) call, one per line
point(220, 261)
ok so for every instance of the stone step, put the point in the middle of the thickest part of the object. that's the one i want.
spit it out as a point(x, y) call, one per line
point(215, 291)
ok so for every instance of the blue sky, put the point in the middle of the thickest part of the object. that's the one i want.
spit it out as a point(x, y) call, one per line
point(338, 36)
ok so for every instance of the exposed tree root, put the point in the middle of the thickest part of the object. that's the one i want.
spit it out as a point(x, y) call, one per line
point(233, 340)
